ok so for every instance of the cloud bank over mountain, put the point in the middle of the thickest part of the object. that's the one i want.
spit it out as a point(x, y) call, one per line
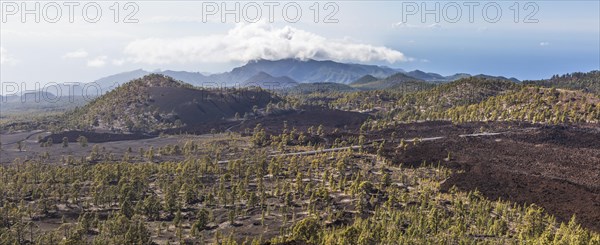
point(247, 42)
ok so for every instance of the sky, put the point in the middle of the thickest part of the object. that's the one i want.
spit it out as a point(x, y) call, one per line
point(526, 40)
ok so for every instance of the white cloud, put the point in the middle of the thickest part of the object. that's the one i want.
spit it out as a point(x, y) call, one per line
point(5, 58)
point(118, 62)
point(544, 43)
point(99, 61)
point(400, 25)
point(434, 26)
point(255, 41)
point(80, 53)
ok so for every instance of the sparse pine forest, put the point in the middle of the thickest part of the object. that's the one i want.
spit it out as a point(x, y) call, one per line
point(157, 161)
point(585, 81)
point(477, 99)
point(331, 198)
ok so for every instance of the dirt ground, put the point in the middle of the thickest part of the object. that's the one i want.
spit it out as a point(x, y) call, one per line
point(32, 148)
point(555, 167)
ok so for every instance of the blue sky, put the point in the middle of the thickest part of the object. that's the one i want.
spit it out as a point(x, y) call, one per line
point(172, 35)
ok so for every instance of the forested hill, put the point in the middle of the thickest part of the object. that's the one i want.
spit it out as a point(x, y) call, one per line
point(157, 102)
point(588, 81)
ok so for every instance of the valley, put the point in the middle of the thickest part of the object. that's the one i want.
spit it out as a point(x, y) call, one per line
point(156, 160)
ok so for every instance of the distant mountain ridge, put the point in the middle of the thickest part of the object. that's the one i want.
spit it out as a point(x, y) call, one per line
point(434, 77)
point(299, 71)
point(426, 76)
point(279, 74)
point(286, 72)
point(313, 71)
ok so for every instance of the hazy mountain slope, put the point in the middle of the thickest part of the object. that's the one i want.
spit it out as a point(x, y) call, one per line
point(426, 76)
point(113, 81)
point(364, 79)
point(512, 79)
point(267, 81)
point(457, 76)
point(195, 78)
point(32, 96)
point(45, 103)
point(434, 77)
